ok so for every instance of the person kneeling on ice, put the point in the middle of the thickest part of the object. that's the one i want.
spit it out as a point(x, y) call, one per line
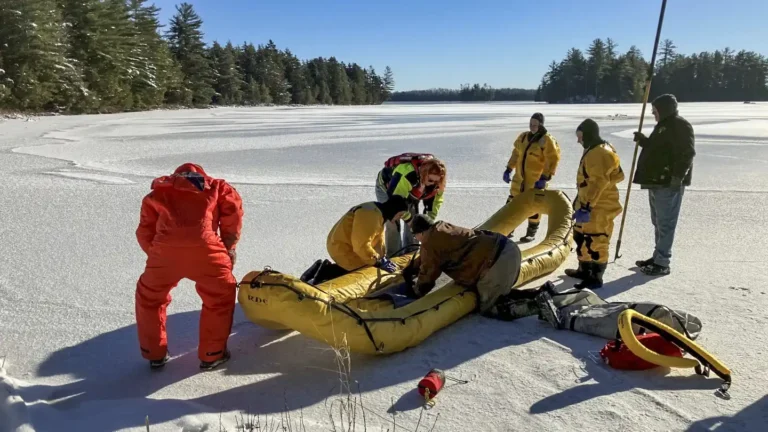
point(487, 261)
point(357, 240)
point(597, 204)
point(189, 226)
point(534, 160)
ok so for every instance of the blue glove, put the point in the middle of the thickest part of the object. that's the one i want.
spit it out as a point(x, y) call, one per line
point(507, 172)
point(582, 215)
point(386, 265)
point(541, 183)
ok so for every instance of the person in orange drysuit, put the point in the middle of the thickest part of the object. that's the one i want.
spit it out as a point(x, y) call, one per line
point(190, 224)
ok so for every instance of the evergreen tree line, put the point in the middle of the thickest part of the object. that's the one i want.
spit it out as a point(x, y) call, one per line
point(605, 75)
point(467, 93)
point(108, 56)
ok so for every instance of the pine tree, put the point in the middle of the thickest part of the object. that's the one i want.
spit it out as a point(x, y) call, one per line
point(596, 66)
point(246, 63)
point(667, 53)
point(252, 92)
point(157, 75)
point(271, 72)
point(338, 84)
point(5, 83)
point(186, 42)
point(229, 81)
point(374, 86)
point(388, 83)
point(296, 77)
point(101, 39)
point(38, 74)
point(357, 83)
point(318, 72)
point(266, 97)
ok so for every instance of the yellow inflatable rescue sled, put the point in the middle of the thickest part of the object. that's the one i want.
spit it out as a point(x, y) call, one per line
point(339, 311)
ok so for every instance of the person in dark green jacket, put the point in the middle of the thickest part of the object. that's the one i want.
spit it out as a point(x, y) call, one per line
point(665, 167)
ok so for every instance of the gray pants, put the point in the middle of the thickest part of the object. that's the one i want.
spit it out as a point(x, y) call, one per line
point(665, 209)
point(602, 320)
point(396, 235)
point(500, 278)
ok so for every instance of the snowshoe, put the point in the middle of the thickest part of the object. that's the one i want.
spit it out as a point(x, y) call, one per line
point(655, 270)
point(216, 363)
point(157, 364)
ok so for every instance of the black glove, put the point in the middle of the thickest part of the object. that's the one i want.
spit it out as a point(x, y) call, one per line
point(409, 273)
point(639, 137)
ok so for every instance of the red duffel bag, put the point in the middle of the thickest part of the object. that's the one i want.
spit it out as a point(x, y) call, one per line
point(616, 354)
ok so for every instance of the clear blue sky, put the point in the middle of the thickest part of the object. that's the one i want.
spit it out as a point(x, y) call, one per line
point(504, 43)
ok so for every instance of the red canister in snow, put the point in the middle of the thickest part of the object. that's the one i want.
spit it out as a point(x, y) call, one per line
point(432, 382)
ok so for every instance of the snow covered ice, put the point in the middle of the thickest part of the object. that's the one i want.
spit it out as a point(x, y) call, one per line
point(70, 206)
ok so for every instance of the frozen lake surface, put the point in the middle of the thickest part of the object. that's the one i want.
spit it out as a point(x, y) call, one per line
point(70, 206)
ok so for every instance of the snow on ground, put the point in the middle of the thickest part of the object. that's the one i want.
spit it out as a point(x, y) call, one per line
point(72, 190)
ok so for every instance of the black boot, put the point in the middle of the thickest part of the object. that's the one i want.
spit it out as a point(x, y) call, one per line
point(157, 364)
point(594, 276)
point(655, 270)
point(327, 271)
point(548, 311)
point(204, 365)
point(311, 271)
point(579, 273)
point(644, 263)
point(533, 228)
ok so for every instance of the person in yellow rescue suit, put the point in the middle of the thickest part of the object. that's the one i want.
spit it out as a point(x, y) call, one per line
point(534, 160)
point(357, 239)
point(597, 204)
point(419, 178)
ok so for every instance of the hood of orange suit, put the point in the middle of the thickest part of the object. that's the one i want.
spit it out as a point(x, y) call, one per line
point(191, 168)
point(187, 176)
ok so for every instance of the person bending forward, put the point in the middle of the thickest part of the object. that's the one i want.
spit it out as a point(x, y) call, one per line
point(357, 239)
point(483, 260)
point(189, 226)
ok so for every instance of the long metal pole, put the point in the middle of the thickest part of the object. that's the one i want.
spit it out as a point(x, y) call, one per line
point(640, 128)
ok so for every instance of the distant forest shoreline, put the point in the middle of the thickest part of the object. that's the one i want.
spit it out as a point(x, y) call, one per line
point(109, 56)
point(605, 76)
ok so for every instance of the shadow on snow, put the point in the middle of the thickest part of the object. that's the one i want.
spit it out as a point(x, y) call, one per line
point(301, 372)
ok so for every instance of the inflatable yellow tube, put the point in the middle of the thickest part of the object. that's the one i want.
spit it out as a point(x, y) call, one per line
point(629, 317)
point(334, 312)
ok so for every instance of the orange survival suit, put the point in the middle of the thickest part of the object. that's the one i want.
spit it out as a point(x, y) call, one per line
point(189, 226)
